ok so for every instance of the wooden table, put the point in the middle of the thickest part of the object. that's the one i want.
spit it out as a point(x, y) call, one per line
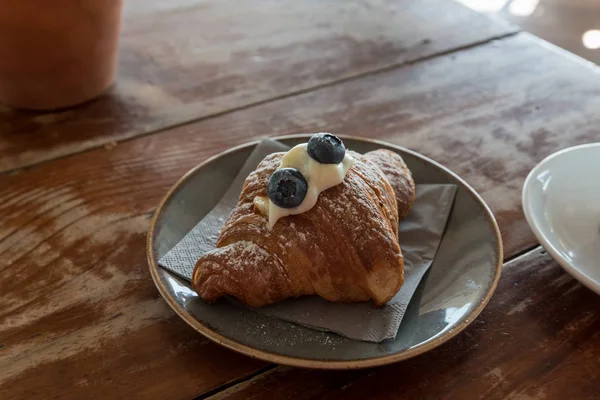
point(79, 315)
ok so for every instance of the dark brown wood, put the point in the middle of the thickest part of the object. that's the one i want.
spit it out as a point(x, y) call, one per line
point(184, 60)
point(75, 288)
point(80, 317)
point(77, 304)
point(537, 339)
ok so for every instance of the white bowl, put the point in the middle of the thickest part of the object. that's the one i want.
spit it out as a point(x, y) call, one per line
point(561, 201)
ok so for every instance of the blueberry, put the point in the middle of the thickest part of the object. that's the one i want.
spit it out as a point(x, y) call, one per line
point(326, 148)
point(287, 187)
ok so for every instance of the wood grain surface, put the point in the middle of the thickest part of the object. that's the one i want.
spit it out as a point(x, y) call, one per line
point(77, 303)
point(187, 59)
point(538, 339)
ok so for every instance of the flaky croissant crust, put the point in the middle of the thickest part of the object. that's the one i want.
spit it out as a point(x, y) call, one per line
point(345, 249)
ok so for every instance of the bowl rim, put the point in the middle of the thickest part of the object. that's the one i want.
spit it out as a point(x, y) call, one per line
point(307, 362)
point(538, 232)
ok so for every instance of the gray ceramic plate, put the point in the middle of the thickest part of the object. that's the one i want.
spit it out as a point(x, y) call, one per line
point(459, 284)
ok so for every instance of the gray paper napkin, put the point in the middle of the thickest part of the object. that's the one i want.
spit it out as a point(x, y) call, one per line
point(419, 235)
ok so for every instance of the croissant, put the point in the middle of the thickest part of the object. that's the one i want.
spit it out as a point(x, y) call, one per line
point(344, 249)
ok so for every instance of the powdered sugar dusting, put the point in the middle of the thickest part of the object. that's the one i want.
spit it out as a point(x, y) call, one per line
point(248, 252)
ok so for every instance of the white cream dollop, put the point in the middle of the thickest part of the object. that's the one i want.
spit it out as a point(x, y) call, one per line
point(319, 177)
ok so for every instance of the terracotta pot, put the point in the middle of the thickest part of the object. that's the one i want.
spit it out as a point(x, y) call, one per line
point(59, 53)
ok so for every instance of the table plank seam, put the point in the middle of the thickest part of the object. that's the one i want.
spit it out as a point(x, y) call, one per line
point(332, 83)
point(246, 378)
point(521, 254)
point(559, 50)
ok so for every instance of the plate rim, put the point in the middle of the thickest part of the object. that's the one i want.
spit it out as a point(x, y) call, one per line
point(306, 362)
point(526, 202)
